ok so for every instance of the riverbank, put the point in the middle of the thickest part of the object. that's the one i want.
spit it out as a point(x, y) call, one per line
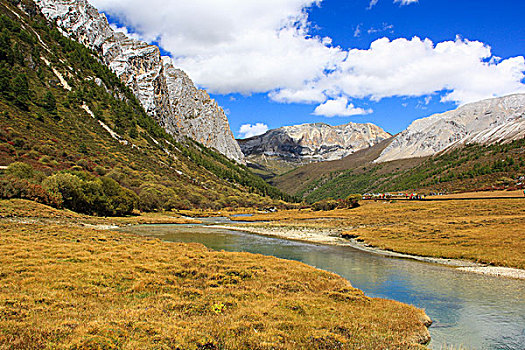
point(487, 233)
point(66, 286)
point(334, 238)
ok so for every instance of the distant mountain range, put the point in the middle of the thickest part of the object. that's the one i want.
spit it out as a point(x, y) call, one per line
point(314, 142)
point(485, 122)
point(479, 145)
point(282, 149)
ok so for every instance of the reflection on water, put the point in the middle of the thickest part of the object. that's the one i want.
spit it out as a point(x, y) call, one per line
point(474, 311)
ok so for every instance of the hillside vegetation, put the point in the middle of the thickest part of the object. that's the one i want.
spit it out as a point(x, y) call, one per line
point(472, 167)
point(63, 111)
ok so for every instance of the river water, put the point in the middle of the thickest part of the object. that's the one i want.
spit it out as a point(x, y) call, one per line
point(469, 311)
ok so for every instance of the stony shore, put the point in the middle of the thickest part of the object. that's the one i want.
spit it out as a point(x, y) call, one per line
point(334, 238)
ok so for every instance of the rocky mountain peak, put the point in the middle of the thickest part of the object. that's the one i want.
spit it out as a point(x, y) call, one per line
point(166, 92)
point(485, 122)
point(314, 142)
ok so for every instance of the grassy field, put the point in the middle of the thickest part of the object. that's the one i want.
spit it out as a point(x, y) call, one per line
point(32, 211)
point(67, 287)
point(483, 230)
point(481, 194)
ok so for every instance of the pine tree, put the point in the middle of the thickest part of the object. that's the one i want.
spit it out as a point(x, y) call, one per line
point(49, 103)
point(20, 87)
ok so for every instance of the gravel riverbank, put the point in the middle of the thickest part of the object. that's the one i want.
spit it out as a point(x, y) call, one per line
point(334, 238)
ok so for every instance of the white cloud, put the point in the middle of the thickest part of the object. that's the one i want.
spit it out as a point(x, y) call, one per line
point(385, 27)
point(403, 2)
point(339, 107)
point(406, 2)
point(307, 94)
point(357, 31)
point(372, 3)
point(249, 130)
point(253, 46)
point(417, 67)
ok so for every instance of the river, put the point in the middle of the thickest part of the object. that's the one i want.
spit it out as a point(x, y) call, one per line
point(469, 311)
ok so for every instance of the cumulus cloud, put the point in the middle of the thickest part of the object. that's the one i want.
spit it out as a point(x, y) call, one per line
point(307, 94)
point(233, 46)
point(417, 67)
point(339, 107)
point(253, 46)
point(249, 130)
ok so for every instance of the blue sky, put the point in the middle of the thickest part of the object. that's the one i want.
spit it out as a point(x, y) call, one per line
point(284, 62)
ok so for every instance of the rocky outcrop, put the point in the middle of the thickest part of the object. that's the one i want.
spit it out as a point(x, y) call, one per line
point(166, 93)
point(314, 142)
point(485, 122)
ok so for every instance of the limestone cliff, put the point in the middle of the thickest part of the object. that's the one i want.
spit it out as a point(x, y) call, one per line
point(484, 122)
point(166, 93)
point(313, 142)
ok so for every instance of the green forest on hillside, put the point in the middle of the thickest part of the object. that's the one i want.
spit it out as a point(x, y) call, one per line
point(57, 103)
point(472, 167)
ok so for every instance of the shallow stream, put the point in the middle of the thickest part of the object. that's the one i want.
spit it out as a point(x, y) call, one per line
point(469, 311)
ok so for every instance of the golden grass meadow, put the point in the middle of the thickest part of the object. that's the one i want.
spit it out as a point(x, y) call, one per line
point(64, 286)
point(487, 231)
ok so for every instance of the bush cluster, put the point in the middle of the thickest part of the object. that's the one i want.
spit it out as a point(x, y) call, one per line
point(349, 202)
point(78, 191)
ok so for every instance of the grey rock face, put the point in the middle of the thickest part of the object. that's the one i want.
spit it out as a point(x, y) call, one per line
point(166, 93)
point(485, 122)
point(314, 142)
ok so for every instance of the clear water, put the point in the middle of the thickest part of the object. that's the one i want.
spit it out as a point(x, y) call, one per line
point(469, 311)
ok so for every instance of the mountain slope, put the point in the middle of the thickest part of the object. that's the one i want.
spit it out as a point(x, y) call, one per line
point(300, 179)
point(166, 93)
point(61, 109)
point(484, 122)
point(469, 168)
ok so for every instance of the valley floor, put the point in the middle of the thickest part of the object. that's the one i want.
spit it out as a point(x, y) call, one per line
point(477, 232)
point(67, 286)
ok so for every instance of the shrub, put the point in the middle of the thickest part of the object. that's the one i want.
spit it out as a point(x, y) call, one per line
point(327, 204)
point(154, 196)
point(49, 103)
point(352, 201)
point(120, 200)
point(69, 188)
point(13, 187)
point(100, 170)
point(20, 170)
point(102, 196)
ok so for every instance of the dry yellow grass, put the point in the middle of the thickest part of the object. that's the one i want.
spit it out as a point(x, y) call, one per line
point(203, 213)
point(485, 231)
point(21, 208)
point(484, 194)
point(67, 287)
